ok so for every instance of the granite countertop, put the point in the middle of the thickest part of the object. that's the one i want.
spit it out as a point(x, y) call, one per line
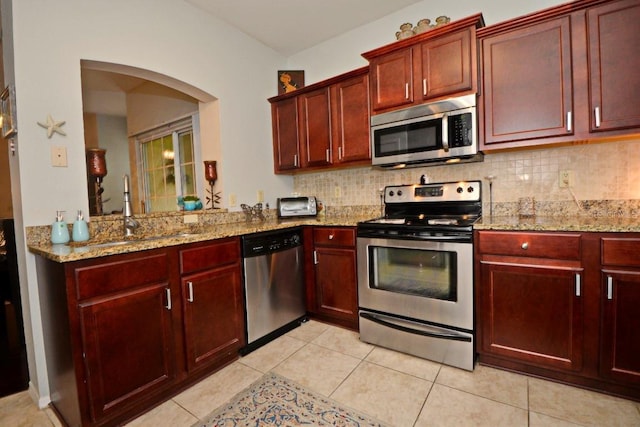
point(577, 224)
point(98, 248)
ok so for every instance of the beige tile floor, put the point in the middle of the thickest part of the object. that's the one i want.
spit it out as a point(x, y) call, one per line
point(395, 388)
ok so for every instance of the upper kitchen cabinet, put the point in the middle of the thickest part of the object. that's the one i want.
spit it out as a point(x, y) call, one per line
point(527, 83)
point(350, 119)
point(560, 75)
point(286, 143)
point(438, 63)
point(315, 127)
point(323, 125)
point(614, 61)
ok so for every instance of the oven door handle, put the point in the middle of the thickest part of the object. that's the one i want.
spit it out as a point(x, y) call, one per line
point(424, 331)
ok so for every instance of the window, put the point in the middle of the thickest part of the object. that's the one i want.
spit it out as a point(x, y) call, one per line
point(166, 164)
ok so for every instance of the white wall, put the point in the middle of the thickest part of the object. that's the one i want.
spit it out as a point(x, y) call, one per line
point(343, 53)
point(112, 136)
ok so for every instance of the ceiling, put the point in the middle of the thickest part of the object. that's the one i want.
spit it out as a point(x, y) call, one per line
point(290, 26)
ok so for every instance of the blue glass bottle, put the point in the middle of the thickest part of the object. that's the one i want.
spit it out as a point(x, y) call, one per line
point(80, 229)
point(59, 230)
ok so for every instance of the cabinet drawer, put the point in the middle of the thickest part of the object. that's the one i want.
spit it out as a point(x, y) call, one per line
point(334, 236)
point(210, 255)
point(616, 251)
point(108, 277)
point(538, 245)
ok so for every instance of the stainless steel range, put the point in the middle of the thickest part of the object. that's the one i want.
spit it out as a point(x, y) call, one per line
point(415, 272)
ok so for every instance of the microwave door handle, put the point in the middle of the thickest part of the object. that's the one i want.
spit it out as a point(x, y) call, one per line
point(445, 132)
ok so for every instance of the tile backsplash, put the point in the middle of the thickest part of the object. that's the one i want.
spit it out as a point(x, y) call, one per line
point(601, 172)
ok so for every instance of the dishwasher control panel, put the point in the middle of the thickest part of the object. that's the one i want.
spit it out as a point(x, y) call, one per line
point(270, 241)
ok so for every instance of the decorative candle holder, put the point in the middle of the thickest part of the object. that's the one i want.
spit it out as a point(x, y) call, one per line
point(211, 175)
point(97, 168)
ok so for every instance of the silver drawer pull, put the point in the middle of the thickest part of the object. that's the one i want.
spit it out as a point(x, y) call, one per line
point(578, 284)
point(424, 86)
point(525, 246)
point(190, 288)
point(569, 121)
point(167, 291)
point(609, 287)
point(330, 236)
point(597, 114)
point(406, 90)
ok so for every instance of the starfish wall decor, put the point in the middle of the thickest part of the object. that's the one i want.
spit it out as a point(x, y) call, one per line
point(52, 126)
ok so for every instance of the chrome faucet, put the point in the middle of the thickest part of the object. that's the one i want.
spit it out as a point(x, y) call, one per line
point(130, 223)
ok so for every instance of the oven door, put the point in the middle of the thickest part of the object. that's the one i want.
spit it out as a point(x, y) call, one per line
point(430, 281)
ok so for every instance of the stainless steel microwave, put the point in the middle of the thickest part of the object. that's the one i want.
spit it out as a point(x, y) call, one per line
point(443, 131)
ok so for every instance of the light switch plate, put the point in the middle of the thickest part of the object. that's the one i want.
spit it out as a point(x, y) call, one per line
point(59, 156)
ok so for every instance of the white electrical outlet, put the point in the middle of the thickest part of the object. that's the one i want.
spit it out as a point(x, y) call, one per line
point(233, 200)
point(260, 196)
point(565, 178)
point(58, 156)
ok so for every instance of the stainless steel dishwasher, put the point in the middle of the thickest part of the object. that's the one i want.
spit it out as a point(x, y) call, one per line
point(274, 284)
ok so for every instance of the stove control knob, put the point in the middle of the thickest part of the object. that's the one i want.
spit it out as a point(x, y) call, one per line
point(399, 192)
point(391, 193)
point(459, 189)
point(470, 189)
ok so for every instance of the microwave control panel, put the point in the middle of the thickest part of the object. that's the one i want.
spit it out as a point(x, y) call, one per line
point(461, 130)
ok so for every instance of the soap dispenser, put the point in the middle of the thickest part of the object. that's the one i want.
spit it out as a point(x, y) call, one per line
point(59, 230)
point(80, 229)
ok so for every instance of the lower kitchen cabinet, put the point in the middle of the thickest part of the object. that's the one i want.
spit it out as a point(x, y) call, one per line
point(212, 302)
point(125, 332)
point(332, 290)
point(620, 343)
point(562, 306)
point(530, 298)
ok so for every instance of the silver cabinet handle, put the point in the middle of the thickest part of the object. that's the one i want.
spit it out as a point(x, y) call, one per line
point(330, 236)
point(609, 287)
point(327, 155)
point(569, 121)
point(406, 90)
point(315, 257)
point(525, 246)
point(340, 153)
point(597, 114)
point(167, 291)
point(424, 87)
point(578, 284)
point(190, 290)
point(295, 160)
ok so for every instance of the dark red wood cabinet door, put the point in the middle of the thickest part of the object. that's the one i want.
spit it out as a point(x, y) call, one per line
point(213, 315)
point(128, 345)
point(391, 80)
point(351, 125)
point(620, 342)
point(531, 314)
point(614, 61)
point(336, 285)
point(527, 83)
point(447, 65)
point(315, 121)
point(286, 146)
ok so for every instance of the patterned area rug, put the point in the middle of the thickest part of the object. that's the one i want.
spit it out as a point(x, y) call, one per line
point(277, 401)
